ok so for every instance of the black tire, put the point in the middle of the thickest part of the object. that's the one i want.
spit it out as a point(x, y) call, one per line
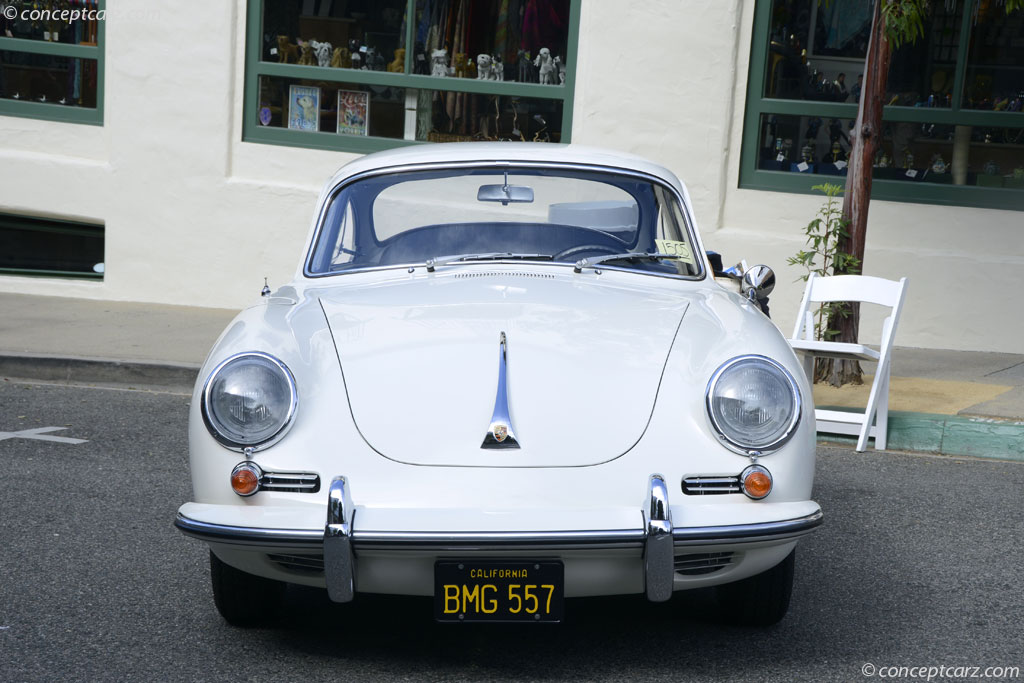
point(762, 599)
point(243, 599)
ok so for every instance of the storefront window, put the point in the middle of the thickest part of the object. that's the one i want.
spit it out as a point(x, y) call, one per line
point(807, 70)
point(65, 81)
point(69, 23)
point(51, 60)
point(995, 60)
point(477, 70)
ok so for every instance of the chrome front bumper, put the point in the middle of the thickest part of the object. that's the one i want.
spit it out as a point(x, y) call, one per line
point(340, 542)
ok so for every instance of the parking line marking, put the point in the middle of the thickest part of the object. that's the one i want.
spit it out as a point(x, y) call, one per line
point(41, 434)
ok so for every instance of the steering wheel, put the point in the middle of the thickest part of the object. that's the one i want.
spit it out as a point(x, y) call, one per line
point(602, 248)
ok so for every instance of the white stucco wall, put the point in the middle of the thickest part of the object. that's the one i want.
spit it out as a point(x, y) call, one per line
point(195, 216)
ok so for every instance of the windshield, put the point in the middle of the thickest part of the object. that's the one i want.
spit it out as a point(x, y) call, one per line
point(532, 214)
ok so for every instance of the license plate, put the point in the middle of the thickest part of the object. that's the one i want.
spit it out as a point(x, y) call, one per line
point(497, 590)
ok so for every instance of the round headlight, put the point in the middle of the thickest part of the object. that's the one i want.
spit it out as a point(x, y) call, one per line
point(753, 403)
point(249, 401)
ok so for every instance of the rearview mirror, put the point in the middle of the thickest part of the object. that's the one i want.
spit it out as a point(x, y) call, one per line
point(520, 194)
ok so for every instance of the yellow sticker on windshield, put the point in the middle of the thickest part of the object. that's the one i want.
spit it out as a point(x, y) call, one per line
point(680, 249)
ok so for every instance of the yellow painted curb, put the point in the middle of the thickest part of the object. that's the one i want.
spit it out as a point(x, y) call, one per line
point(912, 394)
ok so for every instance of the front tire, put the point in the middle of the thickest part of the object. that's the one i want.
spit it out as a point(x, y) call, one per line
point(241, 598)
point(762, 599)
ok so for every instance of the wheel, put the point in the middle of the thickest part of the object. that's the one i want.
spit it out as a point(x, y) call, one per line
point(762, 599)
point(582, 248)
point(243, 599)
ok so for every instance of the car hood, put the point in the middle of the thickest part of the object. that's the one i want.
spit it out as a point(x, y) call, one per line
point(420, 359)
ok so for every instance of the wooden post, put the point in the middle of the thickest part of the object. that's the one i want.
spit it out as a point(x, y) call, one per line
point(863, 145)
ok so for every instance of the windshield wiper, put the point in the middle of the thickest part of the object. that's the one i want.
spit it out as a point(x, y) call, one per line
point(628, 256)
point(493, 256)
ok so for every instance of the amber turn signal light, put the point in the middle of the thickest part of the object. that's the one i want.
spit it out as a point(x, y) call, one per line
point(756, 482)
point(245, 478)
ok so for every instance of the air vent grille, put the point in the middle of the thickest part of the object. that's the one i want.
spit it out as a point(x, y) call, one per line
point(711, 485)
point(698, 564)
point(293, 482)
point(302, 564)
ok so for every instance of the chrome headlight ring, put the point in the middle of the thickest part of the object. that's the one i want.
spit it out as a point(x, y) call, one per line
point(778, 437)
point(237, 441)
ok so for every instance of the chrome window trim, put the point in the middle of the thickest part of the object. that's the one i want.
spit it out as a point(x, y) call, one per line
point(438, 166)
point(285, 426)
point(728, 442)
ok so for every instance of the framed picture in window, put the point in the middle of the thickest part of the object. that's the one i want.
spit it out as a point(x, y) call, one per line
point(353, 112)
point(304, 107)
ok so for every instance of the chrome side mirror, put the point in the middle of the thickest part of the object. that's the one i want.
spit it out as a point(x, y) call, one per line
point(758, 282)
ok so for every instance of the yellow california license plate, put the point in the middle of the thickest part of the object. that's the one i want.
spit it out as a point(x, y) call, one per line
point(498, 590)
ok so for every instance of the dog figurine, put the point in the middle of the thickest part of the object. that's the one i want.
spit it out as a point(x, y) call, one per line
point(398, 66)
point(287, 53)
point(342, 58)
point(322, 52)
point(497, 69)
point(548, 75)
point(461, 65)
point(306, 54)
point(483, 67)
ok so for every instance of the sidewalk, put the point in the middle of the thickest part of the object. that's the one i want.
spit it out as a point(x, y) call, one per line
point(951, 402)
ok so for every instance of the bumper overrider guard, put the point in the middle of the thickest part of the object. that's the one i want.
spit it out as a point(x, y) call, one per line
point(340, 542)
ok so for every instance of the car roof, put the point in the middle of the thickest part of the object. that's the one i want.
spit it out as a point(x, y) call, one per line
point(468, 152)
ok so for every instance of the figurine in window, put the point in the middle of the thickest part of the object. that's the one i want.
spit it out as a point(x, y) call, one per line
point(497, 69)
point(374, 60)
point(560, 69)
point(439, 63)
point(807, 153)
point(547, 67)
point(322, 52)
point(483, 67)
point(836, 152)
point(342, 58)
point(461, 64)
point(287, 53)
point(908, 158)
point(938, 164)
point(839, 86)
point(398, 66)
point(306, 54)
point(525, 72)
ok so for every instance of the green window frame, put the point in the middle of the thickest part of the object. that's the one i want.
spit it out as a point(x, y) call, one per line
point(57, 112)
point(255, 68)
point(757, 105)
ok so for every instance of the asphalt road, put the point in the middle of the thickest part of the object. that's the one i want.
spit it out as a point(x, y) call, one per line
point(918, 564)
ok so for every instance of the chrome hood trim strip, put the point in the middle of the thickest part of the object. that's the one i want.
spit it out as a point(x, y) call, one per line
point(500, 433)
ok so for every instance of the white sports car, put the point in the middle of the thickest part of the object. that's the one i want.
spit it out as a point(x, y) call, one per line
point(503, 375)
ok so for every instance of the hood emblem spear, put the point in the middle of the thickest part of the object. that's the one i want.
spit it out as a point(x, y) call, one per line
point(500, 433)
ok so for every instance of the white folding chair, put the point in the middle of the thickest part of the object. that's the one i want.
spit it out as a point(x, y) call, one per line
point(874, 420)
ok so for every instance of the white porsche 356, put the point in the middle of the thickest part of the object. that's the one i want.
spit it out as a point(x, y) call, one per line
point(503, 376)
